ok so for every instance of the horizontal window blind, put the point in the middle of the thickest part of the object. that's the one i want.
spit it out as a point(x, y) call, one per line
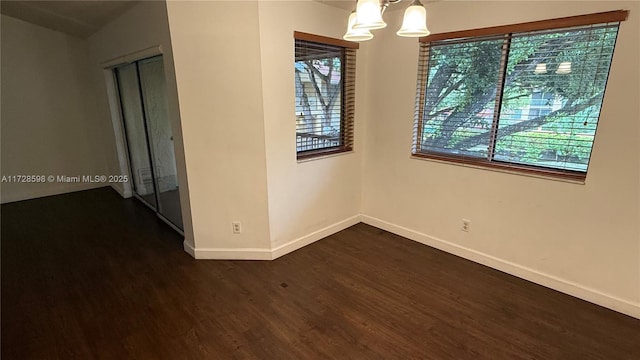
point(461, 95)
point(551, 104)
point(324, 97)
point(525, 100)
point(349, 99)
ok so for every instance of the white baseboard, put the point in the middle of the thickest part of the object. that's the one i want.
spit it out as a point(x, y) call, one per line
point(189, 249)
point(313, 237)
point(268, 254)
point(550, 281)
point(38, 191)
point(227, 254)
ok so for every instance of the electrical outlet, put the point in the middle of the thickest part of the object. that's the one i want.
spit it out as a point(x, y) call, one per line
point(237, 227)
point(466, 225)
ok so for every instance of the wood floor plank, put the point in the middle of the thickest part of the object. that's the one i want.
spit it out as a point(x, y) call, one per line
point(91, 276)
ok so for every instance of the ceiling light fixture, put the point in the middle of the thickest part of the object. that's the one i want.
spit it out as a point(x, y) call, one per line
point(368, 16)
point(356, 34)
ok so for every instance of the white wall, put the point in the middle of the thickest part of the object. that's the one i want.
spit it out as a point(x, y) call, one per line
point(142, 27)
point(581, 239)
point(48, 117)
point(217, 66)
point(318, 195)
point(237, 107)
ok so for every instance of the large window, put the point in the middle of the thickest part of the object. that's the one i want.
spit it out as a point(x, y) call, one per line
point(325, 94)
point(525, 97)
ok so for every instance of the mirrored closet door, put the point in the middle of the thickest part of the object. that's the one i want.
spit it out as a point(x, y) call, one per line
point(152, 161)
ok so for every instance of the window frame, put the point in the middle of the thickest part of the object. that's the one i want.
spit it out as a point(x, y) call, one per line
point(505, 31)
point(347, 100)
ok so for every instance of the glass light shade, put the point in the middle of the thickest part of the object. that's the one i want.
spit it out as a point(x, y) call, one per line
point(369, 15)
point(540, 69)
point(356, 34)
point(414, 23)
point(564, 68)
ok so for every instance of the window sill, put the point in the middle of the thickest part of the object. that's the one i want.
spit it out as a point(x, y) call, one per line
point(323, 155)
point(508, 169)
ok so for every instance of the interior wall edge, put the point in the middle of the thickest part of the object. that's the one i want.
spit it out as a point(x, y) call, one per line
point(189, 249)
point(547, 280)
point(125, 193)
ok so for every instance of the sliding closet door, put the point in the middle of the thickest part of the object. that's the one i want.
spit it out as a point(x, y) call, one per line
point(153, 88)
point(133, 117)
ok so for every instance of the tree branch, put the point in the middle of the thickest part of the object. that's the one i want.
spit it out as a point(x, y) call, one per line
point(317, 72)
point(515, 97)
point(310, 70)
point(327, 100)
point(302, 95)
point(440, 112)
point(459, 117)
point(449, 90)
point(437, 84)
point(568, 109)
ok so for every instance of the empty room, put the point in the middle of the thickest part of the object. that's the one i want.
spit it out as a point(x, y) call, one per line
point(320, 179)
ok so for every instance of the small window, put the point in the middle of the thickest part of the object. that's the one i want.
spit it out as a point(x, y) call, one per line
point(525, 101)
point(325, 95)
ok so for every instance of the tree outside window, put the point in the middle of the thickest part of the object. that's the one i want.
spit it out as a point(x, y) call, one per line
point(531, 99)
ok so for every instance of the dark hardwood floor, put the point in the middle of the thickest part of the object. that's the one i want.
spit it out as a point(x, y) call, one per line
point(91, 276)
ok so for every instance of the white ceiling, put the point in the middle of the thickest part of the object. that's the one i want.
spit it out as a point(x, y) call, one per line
point(351, 4)
point(80, 18)
point(343, 4)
